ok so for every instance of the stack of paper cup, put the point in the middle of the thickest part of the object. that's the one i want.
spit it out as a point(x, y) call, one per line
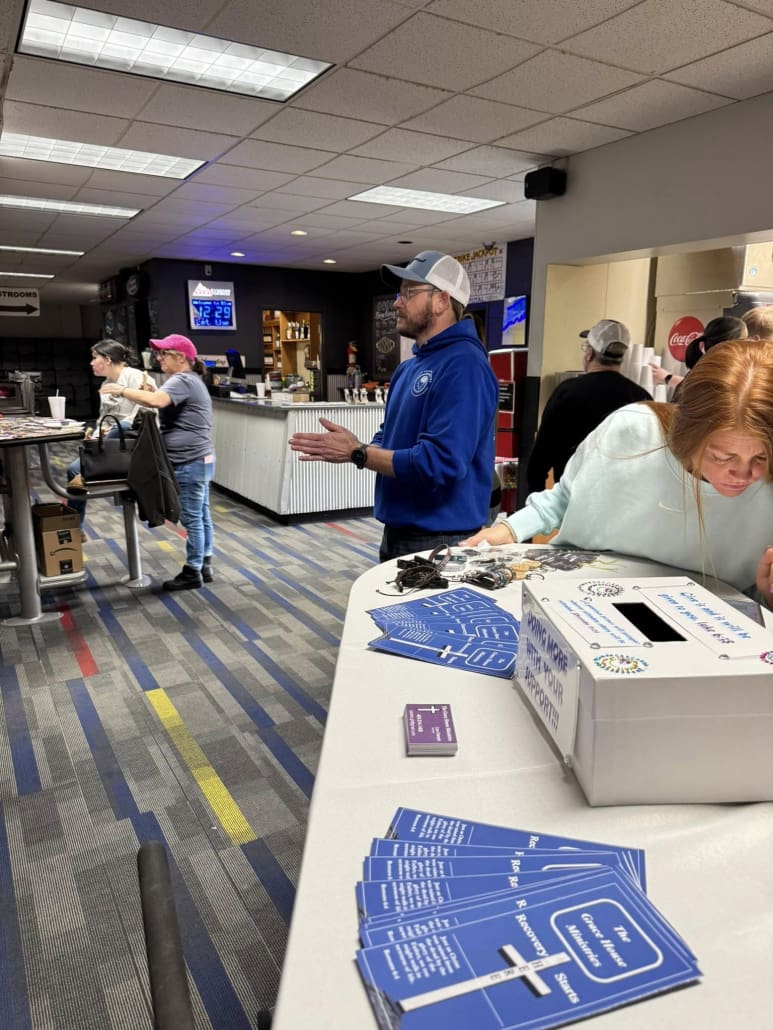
point(645, 379)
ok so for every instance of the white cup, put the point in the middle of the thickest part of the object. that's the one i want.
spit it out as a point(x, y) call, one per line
point(56, 404)
point(261, 390)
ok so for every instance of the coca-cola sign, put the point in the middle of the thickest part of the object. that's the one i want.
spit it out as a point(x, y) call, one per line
point(682, 333)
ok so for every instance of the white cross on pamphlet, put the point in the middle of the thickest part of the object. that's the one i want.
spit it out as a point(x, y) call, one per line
point(432, 709)
point(518, 969)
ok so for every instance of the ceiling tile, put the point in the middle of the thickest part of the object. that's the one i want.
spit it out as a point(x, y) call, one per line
point(325, 31)
point(475, 119)
point(649, 105)
point(275, 157)
point(510, 192)
point(739, 72)
point(35, 80)
point(178, 212)
point(437, 180)
point(207, 193)
point(423, 148)
point(560, 136)
point(494, 162)
point(557, 82)
point(470, 55)
point(544, 22)
point(89, 195)
point(183, 14)
point(205, 109)
point(316, 130)
point(326, 189)
point(373, 98)
point(42, 191)
point(363, 169)
point(292, 203)
point(56, 123)
point(127, 182)
point(658, 35)
point(241, 178)
point(167, 139)
point(40, 173)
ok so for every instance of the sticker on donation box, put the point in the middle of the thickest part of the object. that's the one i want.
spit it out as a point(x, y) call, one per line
point(698, 617)
point(681, 334)
point(549, 673)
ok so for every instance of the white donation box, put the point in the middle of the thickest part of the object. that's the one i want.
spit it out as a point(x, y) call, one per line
point(653, 690)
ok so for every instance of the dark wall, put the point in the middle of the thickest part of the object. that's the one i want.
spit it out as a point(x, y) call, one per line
point(333, 294)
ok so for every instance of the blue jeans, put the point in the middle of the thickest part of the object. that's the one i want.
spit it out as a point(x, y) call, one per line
point(193, 481)
point(74, 469)
point(399, 541)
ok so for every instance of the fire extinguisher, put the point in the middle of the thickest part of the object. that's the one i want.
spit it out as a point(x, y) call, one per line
point(351, 353)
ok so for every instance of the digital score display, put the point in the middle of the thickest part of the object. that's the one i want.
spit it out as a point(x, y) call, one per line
point(211, 305)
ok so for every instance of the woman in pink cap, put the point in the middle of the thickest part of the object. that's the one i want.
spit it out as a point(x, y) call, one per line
point(185, 420)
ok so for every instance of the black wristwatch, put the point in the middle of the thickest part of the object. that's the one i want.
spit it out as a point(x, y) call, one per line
point(359, 456)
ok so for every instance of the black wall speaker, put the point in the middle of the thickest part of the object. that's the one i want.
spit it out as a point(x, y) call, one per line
point(544, 184)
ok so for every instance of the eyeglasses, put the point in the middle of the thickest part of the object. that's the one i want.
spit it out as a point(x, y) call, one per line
point(405, 295)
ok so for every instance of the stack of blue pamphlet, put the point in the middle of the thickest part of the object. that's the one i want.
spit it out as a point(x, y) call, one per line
point(460, 629)
point(468, 925)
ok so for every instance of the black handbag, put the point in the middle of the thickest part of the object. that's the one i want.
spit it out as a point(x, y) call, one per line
point(106, 460)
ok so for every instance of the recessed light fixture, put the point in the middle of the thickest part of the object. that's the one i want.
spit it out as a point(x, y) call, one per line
point(69, 207)
point(42, 250)
point(66, 152)
point(101, 40)
point(299, 232)
point(27, 275)
point(425, 200)
point(329, 261)
point(237, 253)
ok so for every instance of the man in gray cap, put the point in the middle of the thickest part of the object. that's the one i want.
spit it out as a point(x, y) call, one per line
point(434, 453)
point(577, 406)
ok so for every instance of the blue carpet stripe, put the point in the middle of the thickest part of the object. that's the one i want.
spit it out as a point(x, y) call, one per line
point(142, 674)
point(274, 670)
point(25, 768)
point(14, 1004)
point(204, 964)
point(272, 876)
point(278, 748)
point(118, 793)
point(297, 693)
point(325, 603)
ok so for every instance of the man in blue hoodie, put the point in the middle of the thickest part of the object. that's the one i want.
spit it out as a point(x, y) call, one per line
point(434, 452)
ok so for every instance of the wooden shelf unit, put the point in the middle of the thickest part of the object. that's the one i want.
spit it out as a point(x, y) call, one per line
point(286, 354)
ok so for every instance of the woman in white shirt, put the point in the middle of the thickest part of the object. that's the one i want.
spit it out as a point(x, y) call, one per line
point(687, 484)
point(108, 361)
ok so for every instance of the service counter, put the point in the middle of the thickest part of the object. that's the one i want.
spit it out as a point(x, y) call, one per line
point(254, 459)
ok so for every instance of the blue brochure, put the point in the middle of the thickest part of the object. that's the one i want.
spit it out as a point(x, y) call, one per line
point(375, 897)
point(553, 862)
point(409, 824)
point(457, 628)
point(592, 944)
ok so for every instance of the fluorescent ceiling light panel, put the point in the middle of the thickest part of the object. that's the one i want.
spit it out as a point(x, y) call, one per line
point(28, 275)
point(43, 250)
point(66, 33)
point(69, 207)
point(64, 152)
point(425, 200)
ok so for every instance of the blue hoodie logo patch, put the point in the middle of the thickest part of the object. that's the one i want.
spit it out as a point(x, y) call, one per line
point(421, 383)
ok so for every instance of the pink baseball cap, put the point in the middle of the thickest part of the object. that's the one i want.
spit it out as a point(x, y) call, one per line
point(176, 342)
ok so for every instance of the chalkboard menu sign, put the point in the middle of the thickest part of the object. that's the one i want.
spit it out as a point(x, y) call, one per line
point(386, 337)
point(506, 395)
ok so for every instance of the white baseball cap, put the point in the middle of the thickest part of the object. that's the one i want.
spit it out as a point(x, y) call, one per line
point(608, 337)
point(432, 269)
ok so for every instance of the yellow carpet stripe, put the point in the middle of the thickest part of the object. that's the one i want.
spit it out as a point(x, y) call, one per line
point(211, 786)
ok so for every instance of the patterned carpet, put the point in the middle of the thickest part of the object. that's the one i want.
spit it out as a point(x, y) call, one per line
point(193, 718)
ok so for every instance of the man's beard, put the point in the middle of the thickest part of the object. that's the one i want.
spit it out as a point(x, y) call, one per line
point(418, 324)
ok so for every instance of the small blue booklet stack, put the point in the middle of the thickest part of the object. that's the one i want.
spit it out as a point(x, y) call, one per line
point(468, 925)
point(460, 629)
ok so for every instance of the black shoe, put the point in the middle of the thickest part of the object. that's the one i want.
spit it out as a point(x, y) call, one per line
point(188, 579)
point(206, 570)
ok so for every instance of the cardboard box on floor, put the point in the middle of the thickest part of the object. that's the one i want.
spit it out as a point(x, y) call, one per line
point(57, 539)
point(654, 690)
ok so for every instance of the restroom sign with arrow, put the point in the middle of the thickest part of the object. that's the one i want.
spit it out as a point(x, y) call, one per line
point(19, 302)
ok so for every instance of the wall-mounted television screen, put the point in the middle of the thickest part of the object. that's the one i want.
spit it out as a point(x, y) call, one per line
point(211, 305)
point(514, 322)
